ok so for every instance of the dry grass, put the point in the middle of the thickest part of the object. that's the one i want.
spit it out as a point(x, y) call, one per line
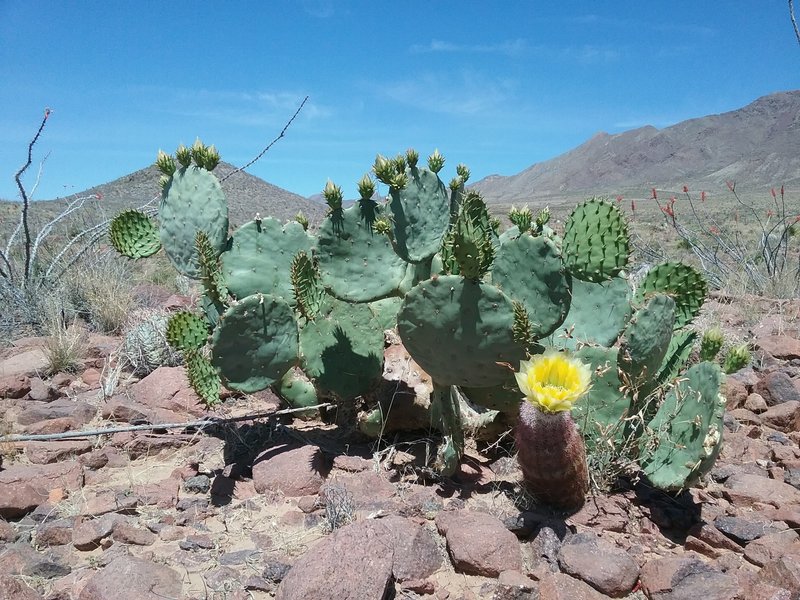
point(65, 344)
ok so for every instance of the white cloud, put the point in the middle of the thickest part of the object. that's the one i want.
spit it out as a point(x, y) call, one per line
point(507, 48)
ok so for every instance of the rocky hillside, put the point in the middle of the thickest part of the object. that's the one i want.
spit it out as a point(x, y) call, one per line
point(755, 146)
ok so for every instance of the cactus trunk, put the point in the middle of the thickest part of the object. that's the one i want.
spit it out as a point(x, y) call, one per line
point(552, 456)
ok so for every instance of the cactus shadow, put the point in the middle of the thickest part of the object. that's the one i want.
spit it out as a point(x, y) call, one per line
point(673, 514)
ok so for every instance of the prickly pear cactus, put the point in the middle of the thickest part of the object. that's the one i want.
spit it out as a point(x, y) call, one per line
point(596, 244)
point(133, 234)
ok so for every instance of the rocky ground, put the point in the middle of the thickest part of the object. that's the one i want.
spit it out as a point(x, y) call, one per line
point(276, 508)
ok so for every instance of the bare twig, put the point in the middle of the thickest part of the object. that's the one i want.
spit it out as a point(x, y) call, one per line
point(794, 21)
point(203, 423)
point(272, 143)
point(25, 199)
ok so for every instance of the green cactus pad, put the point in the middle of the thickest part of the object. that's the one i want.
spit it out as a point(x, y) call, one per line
point(596, 243)
point(504, 397)
point(529, 270)
point(255, 342)
point(193, 201)
point(646, 340)
point(307, 290)
point(342, 349)
point(684, 283)
point(680, 348)
point(356, 263)
point(203, 377)
point(298, 391)
point(259, 257)
point(597, 314)
point(600, 413)
point(133, 234)
point(186, 331)
point(685, 435)
point(385, 311)
point(460, 331)
point(421, 215)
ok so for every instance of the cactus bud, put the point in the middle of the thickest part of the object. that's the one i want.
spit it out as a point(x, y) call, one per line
point(199, 153)
point(543, 217)
point(212, 158)
point(184, 156)
point(366, 187)
point(711, 344)
point(383, 169)
point(163, 182)
point(301, 218)
point(382, 226)
point(737, 358)
point(398, 181)
point(333, 196)
point(456, 183)
point(435, 161)
point(400, 163)
point(521, 217)
point(412, 156)
point(165, 163)
point(463, 171)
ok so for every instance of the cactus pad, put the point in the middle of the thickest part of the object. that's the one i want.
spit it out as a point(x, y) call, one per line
point(186, 331)
point(255, 342)
point(684, 283)
point(647, 339)
point(460, 331)
point(134, 235)
point(596, 243)
point(203, 377)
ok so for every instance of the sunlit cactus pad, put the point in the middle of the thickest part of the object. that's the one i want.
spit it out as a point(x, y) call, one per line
point(134, 235)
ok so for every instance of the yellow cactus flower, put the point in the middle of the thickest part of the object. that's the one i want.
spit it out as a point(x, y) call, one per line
point(553, 381)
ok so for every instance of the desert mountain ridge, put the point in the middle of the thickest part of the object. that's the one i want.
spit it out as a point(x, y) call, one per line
point(755, 146)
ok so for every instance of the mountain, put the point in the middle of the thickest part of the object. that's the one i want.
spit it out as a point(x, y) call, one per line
point(246, 195)
point(755, 146)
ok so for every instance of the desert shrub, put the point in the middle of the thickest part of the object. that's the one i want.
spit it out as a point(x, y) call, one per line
point(65, 342)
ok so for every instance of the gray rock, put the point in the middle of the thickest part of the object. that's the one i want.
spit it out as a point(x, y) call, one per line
point(599, 563)
point(129, 578)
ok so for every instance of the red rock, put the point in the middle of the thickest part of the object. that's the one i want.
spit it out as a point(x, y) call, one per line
point(126, 533)
point(779, 346)
point(15, 589)
point(782, 416)
point(290, 470)
point(772, 546)
point(748, 490)
point(783, 572)
point(599, 563)
point(168, 387)
point(80, 412)
point(129, 578)
point(23, 488)
point(41, 391)
point(686, 577)
point(560, 586)
point(29, 362)
point(479, 543)
point(55, 533)
point(735, 392)
point(777, 387)
point(89, 534)
point(91, 378)
point(43, 453)
point(14, 386)
point(7, 532)
point(755, 403)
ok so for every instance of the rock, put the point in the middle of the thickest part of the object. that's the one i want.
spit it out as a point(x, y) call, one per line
point(745, 529)
point(747, 490)
point(28, 363)
point(91, 378)
point(199, 484)
point(126, 533)
point(55, 533)
point(351, 464)
point(714, 537)
point(14, 386)
point(80, 412)
point(7, 532)
point(783, 572)
point(599, 563)
point(90, 533)
point(772, 546)
point(290, 470)
point(735, 393)
point(14, 589)
point(779, 346)
point(41, 391)
point(21, 559)
point(604, 513)
point(346, 566)
point(686, 579)
point(168, 387)
point(782, 416)
point(560, 586)
point(478, 543)
point(24, 487)
point(368, 490)
point(755, 403)
point(129, 578)
point(415, 554)
point(43, 453)
point(777, 387)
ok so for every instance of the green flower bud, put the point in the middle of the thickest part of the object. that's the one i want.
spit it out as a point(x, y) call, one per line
point(398, 181)
point(333, 195)
point(711, 344)
point(412, 156)
point(199, 153)
point(212, 158)
point(521, 217)
point(165, 163)
point(463, 171)
point(366, 187)
point(382, 226)
point(383, 169)
point(435, 161)
point(456, 183)
point(543, 217)
point(184, 156)
point(163, 183)
point(738, 358)
point(301, 218)
point(400, 163)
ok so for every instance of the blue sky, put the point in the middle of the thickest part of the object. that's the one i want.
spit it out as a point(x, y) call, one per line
point(498, 86)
